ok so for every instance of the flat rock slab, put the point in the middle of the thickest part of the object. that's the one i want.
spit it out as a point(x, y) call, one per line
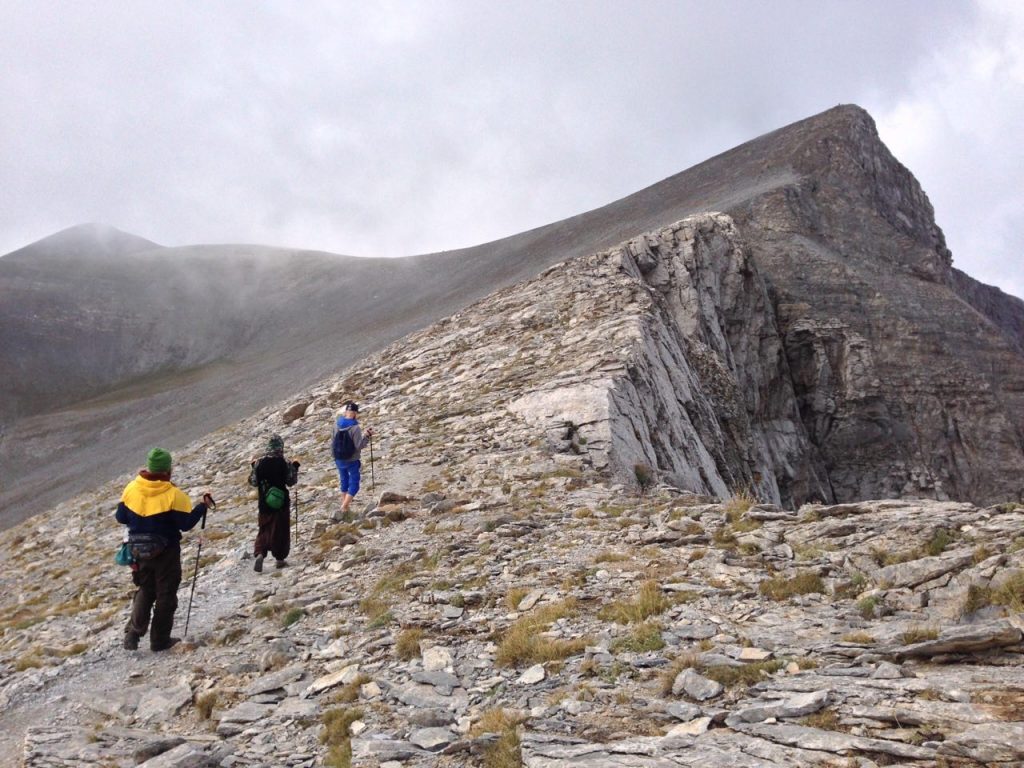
point(436, 658)
point(183, 756)
point(696, 686)
point(833, 741)
point(383, 749)
point(275, 680)
point(247, 712)
point(425, 697)
point(988, 743)
point(162, 704)
point(431, 739)
point(967, 639)
point(795, 706)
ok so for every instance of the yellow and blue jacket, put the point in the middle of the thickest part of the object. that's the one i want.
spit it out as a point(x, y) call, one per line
point(157, 506)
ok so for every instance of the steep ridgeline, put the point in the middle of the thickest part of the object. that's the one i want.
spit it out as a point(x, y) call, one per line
point(665, 352)
point(702, 397)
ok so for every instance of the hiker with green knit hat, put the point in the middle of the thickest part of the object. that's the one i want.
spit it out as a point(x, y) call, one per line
point(156, 512)
point(272, 474)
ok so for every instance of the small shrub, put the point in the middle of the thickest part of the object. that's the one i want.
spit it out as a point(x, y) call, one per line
point(407, 646)
point(867, 606)
point(291, 617)
point(938, 543)
point(803, 583)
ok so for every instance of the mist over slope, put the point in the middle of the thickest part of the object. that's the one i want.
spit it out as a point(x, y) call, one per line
point(895, 356)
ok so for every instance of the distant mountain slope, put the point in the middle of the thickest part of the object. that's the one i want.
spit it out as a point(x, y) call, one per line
point(900, 363)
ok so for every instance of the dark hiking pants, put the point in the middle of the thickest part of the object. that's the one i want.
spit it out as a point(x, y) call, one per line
point(275, 534)
point(158, 580)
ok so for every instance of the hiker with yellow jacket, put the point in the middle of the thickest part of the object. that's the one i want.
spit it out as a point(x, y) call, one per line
point(156, 512)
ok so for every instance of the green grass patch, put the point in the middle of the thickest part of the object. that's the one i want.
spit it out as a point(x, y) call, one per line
point(643, 638)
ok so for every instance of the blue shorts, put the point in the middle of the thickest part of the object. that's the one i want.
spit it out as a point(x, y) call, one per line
point(348, 471)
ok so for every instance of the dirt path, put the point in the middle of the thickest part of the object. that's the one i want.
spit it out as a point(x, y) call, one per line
point(82, 692)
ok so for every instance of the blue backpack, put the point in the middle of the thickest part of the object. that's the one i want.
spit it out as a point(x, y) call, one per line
point(343, 446)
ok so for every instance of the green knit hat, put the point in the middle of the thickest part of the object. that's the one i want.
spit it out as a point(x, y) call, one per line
point(275, 443)
point(158, 461)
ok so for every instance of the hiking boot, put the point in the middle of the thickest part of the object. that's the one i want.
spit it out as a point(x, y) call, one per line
point(131, 640)
point(280, 563)
point(164, 644)
point(258, 565)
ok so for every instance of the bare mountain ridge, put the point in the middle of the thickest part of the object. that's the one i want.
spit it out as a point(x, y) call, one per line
point(831, 219)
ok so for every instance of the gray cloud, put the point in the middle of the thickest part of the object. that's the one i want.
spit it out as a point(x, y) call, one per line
point(418, 126)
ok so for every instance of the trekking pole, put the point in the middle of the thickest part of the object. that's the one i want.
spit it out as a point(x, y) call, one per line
point(373, 483)
point(195, 574)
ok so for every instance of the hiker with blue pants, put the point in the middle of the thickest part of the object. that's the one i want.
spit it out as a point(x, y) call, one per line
point(347, 448)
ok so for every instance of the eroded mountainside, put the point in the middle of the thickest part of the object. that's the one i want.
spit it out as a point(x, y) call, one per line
point(506, 595)
point(907, 374)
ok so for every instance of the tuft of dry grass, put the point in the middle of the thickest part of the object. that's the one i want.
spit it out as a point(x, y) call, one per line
point(748, 674)
point(515, 596)
point(505, 752)
point(825, 719)
point(407, 645)
point(861, 638)
point(607, 556)
point(650, 601)
point(337, 736)
point(349, 692)
point(206, 703)
point(738, 505)
point(645, 637)
point(803, 583)
point(919, 635)
point(1009, 594)
point(525, 643)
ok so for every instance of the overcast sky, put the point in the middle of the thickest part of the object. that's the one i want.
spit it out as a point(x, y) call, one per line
point(396, 128)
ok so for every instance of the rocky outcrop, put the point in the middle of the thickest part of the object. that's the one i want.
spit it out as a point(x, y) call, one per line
point(909, 377)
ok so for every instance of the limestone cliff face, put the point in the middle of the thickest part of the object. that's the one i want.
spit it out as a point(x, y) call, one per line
point(708, 401)
point(909, 375)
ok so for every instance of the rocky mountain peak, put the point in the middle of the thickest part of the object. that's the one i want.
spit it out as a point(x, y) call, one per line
point(92, 241)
